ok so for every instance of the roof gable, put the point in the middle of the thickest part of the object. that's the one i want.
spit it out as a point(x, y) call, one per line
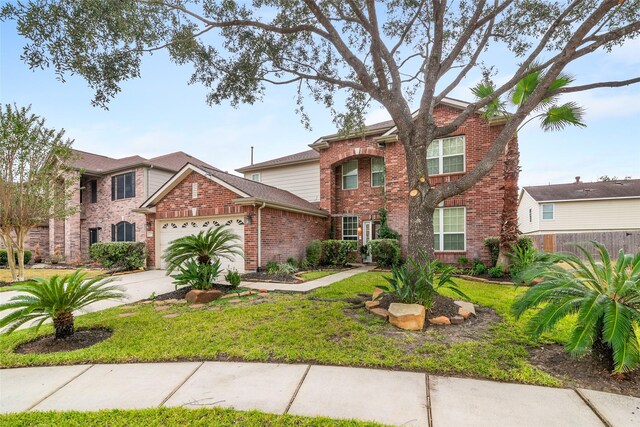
point(302, 157)
point(585, 191)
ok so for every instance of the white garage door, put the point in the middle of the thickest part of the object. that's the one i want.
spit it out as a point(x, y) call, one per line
point(169, 230)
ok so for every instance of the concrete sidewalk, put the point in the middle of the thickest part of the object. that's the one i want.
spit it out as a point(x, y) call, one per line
point(389, 397)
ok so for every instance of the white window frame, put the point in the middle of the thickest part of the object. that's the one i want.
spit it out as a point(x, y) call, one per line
point(441, 233)
point(194, 190)
point(383, 172)
point(553, 212)
point(351, 236)
point(441, 156)
point(257, 177)
point(355, 172)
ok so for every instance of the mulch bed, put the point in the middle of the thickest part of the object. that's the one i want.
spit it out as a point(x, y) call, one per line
point(182, 292)
point(270, 278)
point(505, 280)
point(585, 372)
point(442, 306)
point(82, 338)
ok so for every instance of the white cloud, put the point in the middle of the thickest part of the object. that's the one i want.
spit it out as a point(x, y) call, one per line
point(612, 103)
point(628, 54)
point(376, 116)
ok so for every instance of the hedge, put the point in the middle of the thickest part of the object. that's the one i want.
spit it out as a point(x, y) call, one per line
point(385, 252)
point(3, 256)
point(120, 256)
point(314, 253)
point(338, 252)
point(493, 244)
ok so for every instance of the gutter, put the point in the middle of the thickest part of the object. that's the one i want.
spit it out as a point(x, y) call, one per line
point(260, 235)
point(245, 201)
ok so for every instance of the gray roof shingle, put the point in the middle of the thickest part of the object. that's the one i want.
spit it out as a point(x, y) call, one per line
point(586, 190)
point(303, 156)
point(98, 164)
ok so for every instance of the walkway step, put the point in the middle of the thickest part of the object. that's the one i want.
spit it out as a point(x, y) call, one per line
point(311, 284)
point(619, 411)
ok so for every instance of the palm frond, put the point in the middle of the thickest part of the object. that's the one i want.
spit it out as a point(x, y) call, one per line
point(557, 117)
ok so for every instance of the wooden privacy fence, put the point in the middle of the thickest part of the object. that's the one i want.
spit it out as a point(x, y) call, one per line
point(629, 241)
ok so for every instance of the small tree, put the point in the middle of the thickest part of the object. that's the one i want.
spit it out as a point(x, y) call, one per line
point(34, 181)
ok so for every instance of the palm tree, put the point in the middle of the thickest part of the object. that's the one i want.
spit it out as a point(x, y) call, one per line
point(552, 117)
point(203, 248)
point(56, 299)
point(604, 295)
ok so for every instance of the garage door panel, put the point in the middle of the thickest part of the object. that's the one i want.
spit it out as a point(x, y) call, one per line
point(170, 230)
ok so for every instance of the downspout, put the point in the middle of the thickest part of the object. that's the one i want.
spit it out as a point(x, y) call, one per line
point(260, 235)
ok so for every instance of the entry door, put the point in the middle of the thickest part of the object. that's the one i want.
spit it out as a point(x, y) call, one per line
point(93, 236)
point(367, 233)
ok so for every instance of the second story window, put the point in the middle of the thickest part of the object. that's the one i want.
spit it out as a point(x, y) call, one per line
point(377, 172)
point(93, 188)
point(123, 186)
point(255, 177)
point(547, 211)
point(446, 155)
point(350, 175)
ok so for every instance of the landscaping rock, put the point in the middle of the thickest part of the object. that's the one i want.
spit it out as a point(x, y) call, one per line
point(235, 301)
point(160, 302)
point(202, 297)
point(128, 307)
point(376, 293)
point(371, 304)
point(457, 320)
point(161, 307)
point(440, 320)
point(172, 301)
point(196, 305)
point(380, 312)
point(467, 306)
point(245, 293)
point(264, 291)
point(38, 266)
point(464, 313)
point(171, 316)
point(407, 316)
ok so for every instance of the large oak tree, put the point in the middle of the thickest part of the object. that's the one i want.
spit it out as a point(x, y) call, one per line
point(398, 53)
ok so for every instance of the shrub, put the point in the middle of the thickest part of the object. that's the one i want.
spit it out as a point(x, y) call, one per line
point(479, 269)
point(56, 298)
point(120, 255)
point(521, 258)
point(198, 276)
point(338, 252)
point(463, 261)
point(284, 268)
point(493, 245)
point(233, 278)
point(419, 280)
point(384, 231)
point(385, 252)
point(496, 272)
point(314, 253)
point(605, 296)
point(292, 261)
point(4, 260)
point(272, 267)
point(304, 264)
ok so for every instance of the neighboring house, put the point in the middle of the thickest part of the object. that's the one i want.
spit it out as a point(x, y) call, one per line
point(608, 211)
point(364, 172)
point(297, 173)
point(273, 224)
point(106, 192)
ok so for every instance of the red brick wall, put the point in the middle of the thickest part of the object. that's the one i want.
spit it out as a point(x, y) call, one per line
point(483, 202)
point(287, 234)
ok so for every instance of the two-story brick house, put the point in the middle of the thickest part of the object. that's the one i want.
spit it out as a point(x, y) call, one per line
point(105, 192)
point(362, 173)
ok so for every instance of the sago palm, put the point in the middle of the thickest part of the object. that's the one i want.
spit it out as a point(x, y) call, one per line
point(604, 295)
point(203, 248)
point(56, 299)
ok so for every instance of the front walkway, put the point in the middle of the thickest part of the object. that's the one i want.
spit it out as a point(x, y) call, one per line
point(396, 398)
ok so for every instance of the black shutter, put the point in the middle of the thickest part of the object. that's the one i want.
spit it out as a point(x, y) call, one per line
point(133, 186)
point(113, 232)
point(132, 229)
point(113, 188)
point(94, 191)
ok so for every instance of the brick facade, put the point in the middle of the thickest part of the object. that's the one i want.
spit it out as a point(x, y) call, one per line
point(483, 202)
point(215, 199)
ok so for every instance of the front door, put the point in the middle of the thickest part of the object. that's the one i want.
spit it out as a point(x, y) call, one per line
point(367, 234)
point(93, 236)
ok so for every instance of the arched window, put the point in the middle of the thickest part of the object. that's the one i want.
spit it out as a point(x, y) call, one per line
point(123, 232)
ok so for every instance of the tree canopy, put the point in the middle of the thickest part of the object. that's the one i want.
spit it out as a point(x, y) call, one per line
point(401, 54)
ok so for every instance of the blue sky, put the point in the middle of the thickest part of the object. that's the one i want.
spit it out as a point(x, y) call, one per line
point(160, 113)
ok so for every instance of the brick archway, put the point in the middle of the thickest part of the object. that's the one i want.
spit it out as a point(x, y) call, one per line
point(356, 153)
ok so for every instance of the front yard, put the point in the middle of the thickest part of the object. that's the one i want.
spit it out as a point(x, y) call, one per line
point(45, 273)
point(321, 327)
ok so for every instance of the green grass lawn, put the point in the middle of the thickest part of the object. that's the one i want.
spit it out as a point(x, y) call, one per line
point(296, 328)
point(313, 275)
point(169, 417)
point(45, 273)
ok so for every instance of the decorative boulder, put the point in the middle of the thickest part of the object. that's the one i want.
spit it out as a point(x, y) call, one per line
point(440, 320)
point(371, 304)
point(202, 297)
point(376, 293)
point(457, 320)
point(466, 306)
point(380, 312)
point(407, 316)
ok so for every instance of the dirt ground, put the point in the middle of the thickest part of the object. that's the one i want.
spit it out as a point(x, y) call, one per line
point(82, 338)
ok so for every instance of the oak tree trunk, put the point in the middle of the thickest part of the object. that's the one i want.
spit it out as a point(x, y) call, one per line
point(509, 231)
point(11, 255)
point(63, 324)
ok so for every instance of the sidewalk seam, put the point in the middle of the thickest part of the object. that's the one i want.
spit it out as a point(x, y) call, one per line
point(593, 408)
point(426, 377)
point(180, 385)
point(295, 393)
point(57, 389)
